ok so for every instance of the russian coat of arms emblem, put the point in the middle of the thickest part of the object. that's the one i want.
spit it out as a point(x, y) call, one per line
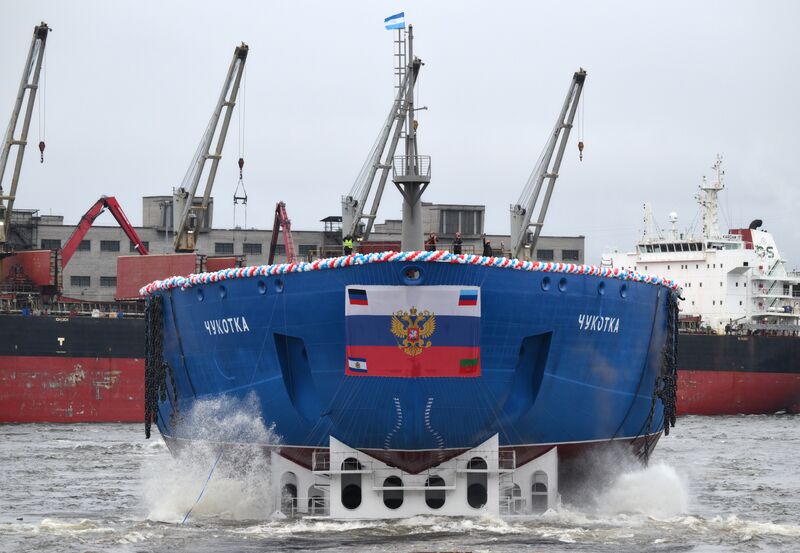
point(412, 330)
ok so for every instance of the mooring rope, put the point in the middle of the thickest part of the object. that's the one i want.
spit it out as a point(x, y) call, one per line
point(199, 497)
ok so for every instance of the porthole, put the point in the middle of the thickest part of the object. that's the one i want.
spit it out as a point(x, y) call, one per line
point(623, 291)
point(434, 498)
point(562, 285)
point(546, 283)
point(262, 287)
point(393, 499)
point(278, 285)
point(601, 289)
point(412, 275)
point(200, 295)
point(223, 292)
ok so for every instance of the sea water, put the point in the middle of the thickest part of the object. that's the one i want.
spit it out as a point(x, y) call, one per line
point(715, 484)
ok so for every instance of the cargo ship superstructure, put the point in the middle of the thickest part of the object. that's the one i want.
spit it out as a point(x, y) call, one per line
point(417, 382)
point(740, 314)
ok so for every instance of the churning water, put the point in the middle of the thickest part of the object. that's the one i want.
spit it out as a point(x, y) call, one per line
point(715, 484)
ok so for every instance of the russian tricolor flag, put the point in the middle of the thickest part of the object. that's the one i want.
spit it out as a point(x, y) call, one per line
point(413, 331)
point(468, 297)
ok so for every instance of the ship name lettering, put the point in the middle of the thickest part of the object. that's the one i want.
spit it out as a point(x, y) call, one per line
point(598, 323)
point(231, 325)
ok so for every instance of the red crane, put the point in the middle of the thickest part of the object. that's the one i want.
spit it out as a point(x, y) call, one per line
point(282, 222)
point(105, 202)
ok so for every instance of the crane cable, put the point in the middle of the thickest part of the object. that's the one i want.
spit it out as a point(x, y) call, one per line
point(237, 197)
point(43, 109)
point(581, 122)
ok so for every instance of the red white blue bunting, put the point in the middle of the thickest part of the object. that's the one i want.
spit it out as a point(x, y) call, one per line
point(418, 256)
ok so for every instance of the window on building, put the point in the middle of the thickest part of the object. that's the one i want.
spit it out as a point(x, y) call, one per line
point(737, 284)
point(108, 281)
point(570, 255)
point(253, 248)
point(305, 250)
point(85, 246)
point(109, 245)
point(132, 246)
point(280, 249)
point(223, 247)
point(51, 244)
point(466, 221)
point(80, 281)
point(544, 255)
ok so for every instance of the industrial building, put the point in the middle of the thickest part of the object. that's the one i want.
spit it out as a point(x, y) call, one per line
point(92, 272)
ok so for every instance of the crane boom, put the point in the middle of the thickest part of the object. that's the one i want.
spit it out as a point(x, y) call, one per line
point(522, 211)
point(354, 203)
point(29, 83)
point(281, 222)
point(105, 202)
point(183, 199)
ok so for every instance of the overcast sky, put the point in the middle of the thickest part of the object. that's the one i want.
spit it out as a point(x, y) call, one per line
point(131, 85)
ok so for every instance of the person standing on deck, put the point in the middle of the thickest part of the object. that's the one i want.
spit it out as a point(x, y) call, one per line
point(457, 243)
point(348, 245)
point(430, 245)
point(487, 247)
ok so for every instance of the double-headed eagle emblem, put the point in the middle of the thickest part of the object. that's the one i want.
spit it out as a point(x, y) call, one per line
point(412, 329)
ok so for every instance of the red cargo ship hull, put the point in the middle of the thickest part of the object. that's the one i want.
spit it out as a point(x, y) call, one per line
point(728, 375)
point(71, 369)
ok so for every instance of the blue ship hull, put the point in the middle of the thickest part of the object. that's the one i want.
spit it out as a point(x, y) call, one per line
point(565, 360)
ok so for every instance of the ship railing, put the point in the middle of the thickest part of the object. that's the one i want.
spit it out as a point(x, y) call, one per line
point(410, 167)
point(512, 502)
point(317, 505)
point(320, 461)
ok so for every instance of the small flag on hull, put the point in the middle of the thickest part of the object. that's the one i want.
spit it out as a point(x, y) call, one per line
point(357, 364)
point(396, 21)
point(468, 297)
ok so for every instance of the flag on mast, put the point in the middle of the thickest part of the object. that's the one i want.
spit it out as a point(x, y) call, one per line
point(396, 21)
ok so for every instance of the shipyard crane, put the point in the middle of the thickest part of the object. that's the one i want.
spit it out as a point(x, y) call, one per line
point(185, 223)
point(29, 84)
point(283, 223)
point(105, 202)
point(355, 221)
point(546, 168)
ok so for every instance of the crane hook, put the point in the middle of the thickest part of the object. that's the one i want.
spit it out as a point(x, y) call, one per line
point(580, 149)
point(41, 151)
point(241, 166)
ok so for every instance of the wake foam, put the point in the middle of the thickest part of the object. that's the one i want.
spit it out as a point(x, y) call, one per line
point(240, 487)
point(611, 481)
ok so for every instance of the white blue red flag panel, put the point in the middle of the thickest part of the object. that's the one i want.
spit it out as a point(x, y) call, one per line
point(413, 331)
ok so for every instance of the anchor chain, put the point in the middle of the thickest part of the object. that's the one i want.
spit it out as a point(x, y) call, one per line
point(155, 369)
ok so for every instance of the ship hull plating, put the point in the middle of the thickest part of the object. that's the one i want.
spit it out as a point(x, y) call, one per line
point(728, 375)
point(71, 369)
point(562, 359)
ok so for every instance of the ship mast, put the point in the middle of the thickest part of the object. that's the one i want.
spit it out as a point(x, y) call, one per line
point(707, 198)
point(411, 173)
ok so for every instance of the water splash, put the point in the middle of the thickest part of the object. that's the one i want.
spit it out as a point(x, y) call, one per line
point(241, 487)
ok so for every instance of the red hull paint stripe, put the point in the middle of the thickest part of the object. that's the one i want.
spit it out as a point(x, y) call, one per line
point(737, 392)
point(71, 389)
